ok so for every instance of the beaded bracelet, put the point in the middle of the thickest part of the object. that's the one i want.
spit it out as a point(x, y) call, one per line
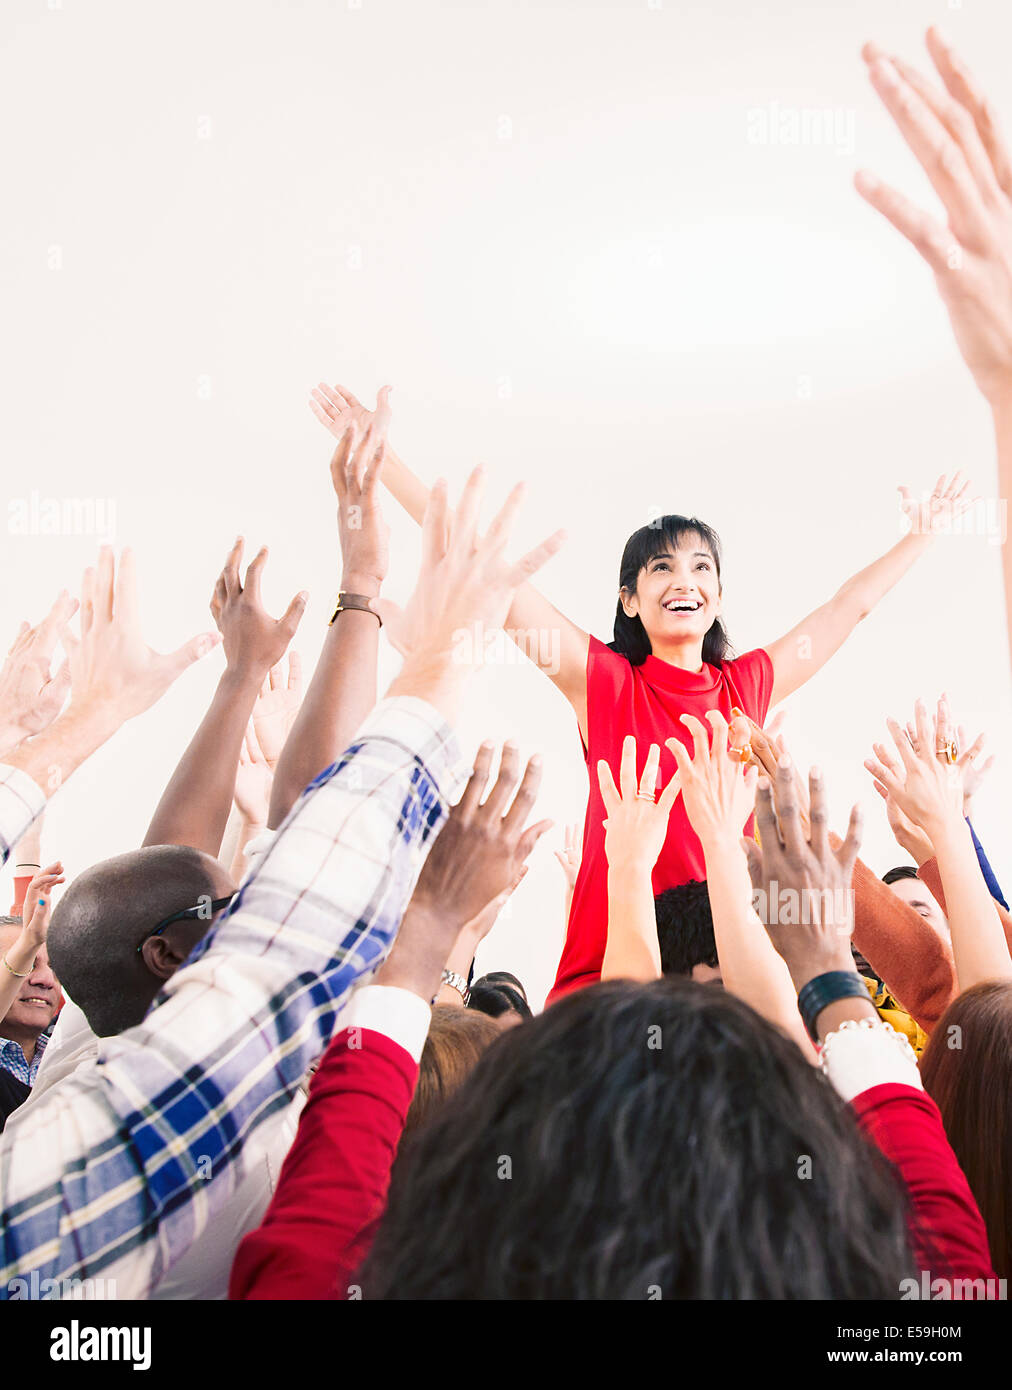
point(868, 1025)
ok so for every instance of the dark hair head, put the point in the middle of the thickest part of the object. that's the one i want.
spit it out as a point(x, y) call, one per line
point(685, 928)
point(635, 1138)
point(644, 545)
point(967, 1072)
point(109, 910)
point(455, 1042)
point(901, 871)
point(498, 999)
point(502, 977)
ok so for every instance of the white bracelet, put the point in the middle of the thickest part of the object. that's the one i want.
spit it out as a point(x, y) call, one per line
point(865, 1053)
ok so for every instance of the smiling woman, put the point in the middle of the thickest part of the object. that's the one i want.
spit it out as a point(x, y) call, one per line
point(670, 657)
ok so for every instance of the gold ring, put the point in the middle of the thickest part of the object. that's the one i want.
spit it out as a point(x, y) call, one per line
point(743, 754)
point(949, 751)
point(646, 796)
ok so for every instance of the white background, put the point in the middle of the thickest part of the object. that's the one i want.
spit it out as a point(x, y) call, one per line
point(547, 225)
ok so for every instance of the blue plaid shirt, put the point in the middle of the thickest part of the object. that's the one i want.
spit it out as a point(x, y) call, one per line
point(12, 1058)
point(115, 1171)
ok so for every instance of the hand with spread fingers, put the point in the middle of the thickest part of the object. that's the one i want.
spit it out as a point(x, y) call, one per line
point(924, 782)
point(31, 694)
point(952, 130)
point(355, 470)
point(637, 823)
point(817, 877)
point(276, 708)
point(253, 640)
point(717, 788)
point(478, 858)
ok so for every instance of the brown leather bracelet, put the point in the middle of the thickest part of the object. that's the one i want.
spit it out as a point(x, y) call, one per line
point(356, 602)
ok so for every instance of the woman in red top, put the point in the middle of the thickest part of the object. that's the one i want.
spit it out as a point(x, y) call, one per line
point(670, 657)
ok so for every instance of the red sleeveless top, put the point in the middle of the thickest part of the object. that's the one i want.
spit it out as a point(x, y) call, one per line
point(647, 701)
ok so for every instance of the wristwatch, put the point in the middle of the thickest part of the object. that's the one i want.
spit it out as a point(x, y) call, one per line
point(359, 601)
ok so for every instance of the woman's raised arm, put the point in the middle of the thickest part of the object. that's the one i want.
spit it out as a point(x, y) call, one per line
point(541, 632)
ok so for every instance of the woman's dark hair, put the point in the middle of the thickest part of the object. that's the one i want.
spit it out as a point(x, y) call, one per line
point(498, 999)
point(967, 1072)
point(636, 1141)
point(644, 545)
point(502, 977)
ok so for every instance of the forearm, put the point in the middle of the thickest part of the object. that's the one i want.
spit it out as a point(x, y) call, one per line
point(749, 963)
point(55, 754)
point(340, 696)
point(979, 947)
point(248, 831)
point(195, 806)
point(632, 951)
point(418, 956)
point(19, 960)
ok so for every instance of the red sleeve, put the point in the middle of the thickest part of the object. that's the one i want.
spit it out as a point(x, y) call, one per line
point(751, 678)
point(905, 1124)
point(333, 1185)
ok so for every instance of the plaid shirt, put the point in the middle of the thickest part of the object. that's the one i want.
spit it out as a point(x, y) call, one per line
point(116, 1170)
point(12, 1058)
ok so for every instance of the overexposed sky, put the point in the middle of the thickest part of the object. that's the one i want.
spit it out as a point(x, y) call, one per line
point(612, 248)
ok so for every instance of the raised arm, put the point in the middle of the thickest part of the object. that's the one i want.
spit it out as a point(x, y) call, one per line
point(803, 651)
point(955, 137)
point(542, 633)
point(927, 788)
point(718, 799)
point(195, 805)
point(343, 688)
point(634, 837)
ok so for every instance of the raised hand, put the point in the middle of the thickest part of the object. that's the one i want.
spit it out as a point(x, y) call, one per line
point(481, 852)
point(31, 694)
point(355, 471)
point(477, 860)
point(253, 640)
point(972, 773)
point(39, 902)
point(815, 936)
point(717, 790)
point(465, 587)
point(955, 137)
point(339, 411)
point(113, 671)
point(936, 515)
point(925, 786)
point(276, 707)
point(253, 780)
point(637, 823)
point(571, 856)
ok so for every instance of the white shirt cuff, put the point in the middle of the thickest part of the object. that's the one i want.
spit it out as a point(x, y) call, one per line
point(855, 1059)
point(399, 1014)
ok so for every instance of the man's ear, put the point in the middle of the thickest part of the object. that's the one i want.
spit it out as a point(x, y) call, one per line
point(630, 603)
point(160, 957)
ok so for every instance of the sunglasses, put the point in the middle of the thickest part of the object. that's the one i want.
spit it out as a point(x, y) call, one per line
point(204, 911)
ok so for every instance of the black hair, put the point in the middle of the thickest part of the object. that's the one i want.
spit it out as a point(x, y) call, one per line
point(497, 999)
point(901, 871)
point(636, 1141)
point(631, 640)
point(685, 928)
point(105, 915)
point(503, 977)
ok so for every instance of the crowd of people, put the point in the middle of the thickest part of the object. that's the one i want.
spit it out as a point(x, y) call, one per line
point(251, 1059)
